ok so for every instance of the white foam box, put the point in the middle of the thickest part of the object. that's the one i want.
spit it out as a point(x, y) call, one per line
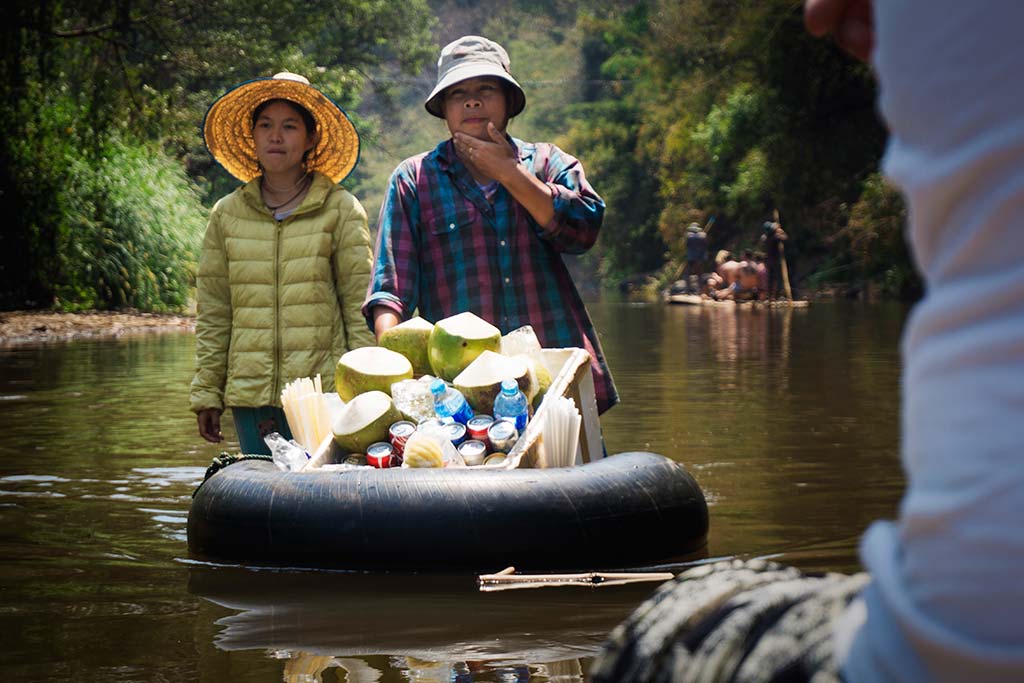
point(571, 377)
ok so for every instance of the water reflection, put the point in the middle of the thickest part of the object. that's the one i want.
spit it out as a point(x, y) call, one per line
point(788, 418)
point(435, 627)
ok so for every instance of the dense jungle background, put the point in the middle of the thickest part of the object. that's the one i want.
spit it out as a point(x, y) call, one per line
point(714, 111)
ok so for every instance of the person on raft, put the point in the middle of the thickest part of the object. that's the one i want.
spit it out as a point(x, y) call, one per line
point(745, 288)
point(285, 260)
point(480, 223)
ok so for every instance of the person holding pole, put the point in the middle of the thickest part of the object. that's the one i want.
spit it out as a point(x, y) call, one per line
point(773, 239)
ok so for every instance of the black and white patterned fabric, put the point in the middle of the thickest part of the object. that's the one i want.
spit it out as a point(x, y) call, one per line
point(732, 622)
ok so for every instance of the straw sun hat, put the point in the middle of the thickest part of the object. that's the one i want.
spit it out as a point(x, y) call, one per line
point(227, 128)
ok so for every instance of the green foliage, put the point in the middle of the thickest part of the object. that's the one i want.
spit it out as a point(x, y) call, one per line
point(875, 241)
point(118, 219)
point(680, 111)
point(104, 102)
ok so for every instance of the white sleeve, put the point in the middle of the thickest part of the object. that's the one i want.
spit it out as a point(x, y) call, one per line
point(946, 602)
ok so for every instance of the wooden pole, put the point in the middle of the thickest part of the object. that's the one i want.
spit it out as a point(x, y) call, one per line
point(782, 258)
point(507, 579)
point(785, 271)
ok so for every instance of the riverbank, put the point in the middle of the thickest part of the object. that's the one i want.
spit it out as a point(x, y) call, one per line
point(28, 327)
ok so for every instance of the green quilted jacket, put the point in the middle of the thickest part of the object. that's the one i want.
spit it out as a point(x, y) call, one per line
point(278, 300)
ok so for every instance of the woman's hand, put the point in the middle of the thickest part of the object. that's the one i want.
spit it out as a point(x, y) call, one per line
point(209, 424)
point(494, 158)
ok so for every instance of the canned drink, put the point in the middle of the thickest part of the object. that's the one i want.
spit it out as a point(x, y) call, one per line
point(473, 451)
point(430, 423)
point(456, 432)
point(503, 435)
point(477, 427)
point(380, 454)
point(399, 433)
point(496, 459)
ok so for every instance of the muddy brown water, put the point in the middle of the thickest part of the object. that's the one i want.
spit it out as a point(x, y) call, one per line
point(789, 420)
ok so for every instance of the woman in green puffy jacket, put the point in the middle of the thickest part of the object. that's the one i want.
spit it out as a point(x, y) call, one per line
point(286, 257)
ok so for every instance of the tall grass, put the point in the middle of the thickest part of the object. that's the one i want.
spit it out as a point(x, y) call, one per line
point(115, 222)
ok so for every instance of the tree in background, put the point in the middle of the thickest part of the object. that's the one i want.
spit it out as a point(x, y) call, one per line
point(103, 96)
point(726, 110)
point(682, 110)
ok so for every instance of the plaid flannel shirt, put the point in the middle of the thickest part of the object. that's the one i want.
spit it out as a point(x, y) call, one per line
point(443, 248)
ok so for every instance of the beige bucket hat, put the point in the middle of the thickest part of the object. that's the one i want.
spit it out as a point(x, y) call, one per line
point(473, 57)
point(227, 128)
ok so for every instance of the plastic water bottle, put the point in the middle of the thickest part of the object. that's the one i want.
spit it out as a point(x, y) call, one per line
point(511, 404)
point(449, 403)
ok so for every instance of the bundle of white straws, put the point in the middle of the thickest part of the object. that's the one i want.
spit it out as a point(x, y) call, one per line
point(308, 412)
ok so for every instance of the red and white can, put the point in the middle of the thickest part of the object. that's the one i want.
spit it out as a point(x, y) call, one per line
point(477, 426)
point(398, 434)
point(380, 454)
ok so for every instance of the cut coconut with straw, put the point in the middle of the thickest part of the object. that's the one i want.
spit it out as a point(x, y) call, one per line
point(457, 341)
point(410, 339)
point(370, 368)
point(481, 381)
point(364, 420)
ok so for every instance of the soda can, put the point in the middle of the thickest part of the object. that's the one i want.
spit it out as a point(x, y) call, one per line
point(431, 423)
point(380, 454)
point(477, 427)
point(473, 451)
point(496, 459)
point(399, 433)
point(456, 432)
point(503, 435)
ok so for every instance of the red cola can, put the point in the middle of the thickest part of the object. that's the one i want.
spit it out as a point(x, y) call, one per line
point(477, 427)
point(399, 433)
point(380, 454)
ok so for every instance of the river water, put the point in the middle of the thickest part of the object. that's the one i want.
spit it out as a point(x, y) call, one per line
point(788, 419)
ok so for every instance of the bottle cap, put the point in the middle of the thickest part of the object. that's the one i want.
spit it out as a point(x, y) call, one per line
point(509, 386)
point(437, 386)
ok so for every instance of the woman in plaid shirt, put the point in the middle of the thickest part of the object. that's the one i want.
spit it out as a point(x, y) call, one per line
point(480, 223)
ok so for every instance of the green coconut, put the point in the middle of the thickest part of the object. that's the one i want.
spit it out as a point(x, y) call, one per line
point(370, 368)
point(456, 342)
point(364, 420)
point(410, 339)
point(481, 381)
point(542, 375)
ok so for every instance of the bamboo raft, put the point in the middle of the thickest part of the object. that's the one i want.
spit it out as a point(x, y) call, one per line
point(698, 300)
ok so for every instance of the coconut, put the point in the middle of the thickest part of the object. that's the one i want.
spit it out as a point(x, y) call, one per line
point(370, 368)
point(520, 340)
point(541, 374)
point(480, 382)
point(364, 420)
point(410, 339)
point(455, 342)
